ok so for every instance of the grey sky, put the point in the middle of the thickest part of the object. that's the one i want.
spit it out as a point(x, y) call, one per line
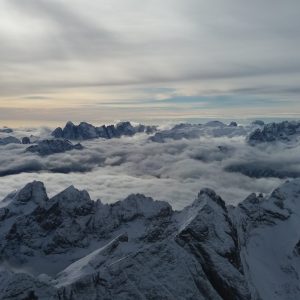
point(68, 57)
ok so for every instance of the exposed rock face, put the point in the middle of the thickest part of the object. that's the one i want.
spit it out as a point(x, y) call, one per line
point(139, 248)
point(9, 140)
point(47, 147)
point(85, 131)
point(275, 132)
point(25, 140)
point(58, 132)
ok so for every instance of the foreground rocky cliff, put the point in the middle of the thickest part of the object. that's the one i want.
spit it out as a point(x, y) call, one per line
point(70, 247)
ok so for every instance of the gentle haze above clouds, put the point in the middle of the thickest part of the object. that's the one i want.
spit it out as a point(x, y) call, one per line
point(130, 59)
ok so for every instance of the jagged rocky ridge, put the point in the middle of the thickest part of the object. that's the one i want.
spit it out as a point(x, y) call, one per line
point(51, 146)
point(85, 131)
point(194, 131)
point(285, 131)
point(70, 247)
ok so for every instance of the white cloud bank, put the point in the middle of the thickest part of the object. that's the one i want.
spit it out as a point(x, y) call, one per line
point(174, 171)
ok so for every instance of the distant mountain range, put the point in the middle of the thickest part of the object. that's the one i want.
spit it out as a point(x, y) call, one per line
point(256, 134)
point(85, 131)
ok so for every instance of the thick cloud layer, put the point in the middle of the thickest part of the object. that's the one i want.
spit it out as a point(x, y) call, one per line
point(174, 171)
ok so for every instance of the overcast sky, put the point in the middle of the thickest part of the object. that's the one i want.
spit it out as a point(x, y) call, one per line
point(132, 59)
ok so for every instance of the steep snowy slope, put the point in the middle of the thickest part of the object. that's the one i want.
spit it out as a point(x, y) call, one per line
point(70, 247)
point(269, 238)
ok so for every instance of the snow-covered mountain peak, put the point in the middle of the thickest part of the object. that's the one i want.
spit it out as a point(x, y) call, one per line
point(32, 193)
point(140, 205)
point(72, 199)
point(139, 248)
point(210, 195)
point(71, 194)
point(288, 196)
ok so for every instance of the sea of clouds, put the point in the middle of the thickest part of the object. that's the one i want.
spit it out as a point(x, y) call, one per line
point(174, 170)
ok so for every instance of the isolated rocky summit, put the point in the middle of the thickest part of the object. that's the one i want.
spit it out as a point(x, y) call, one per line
point(85, 131)
point(74, 248)
point(26, 140)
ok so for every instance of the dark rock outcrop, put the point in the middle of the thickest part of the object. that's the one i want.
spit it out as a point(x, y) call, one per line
point(25, 140)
